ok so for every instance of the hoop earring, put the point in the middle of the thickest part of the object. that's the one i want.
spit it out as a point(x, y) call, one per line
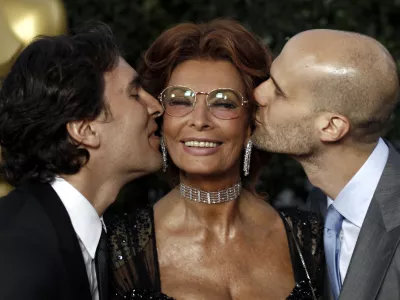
point(247, 157)
point(164, 154)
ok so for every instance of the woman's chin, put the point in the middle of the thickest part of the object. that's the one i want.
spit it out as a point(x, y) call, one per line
point(204, 172)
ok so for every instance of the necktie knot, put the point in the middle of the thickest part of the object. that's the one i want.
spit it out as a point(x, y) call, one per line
point(333, 220)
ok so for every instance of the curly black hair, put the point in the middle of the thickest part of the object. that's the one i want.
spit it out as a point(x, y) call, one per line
point(55, 80)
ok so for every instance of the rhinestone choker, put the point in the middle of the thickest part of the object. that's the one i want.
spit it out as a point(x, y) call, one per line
point(229, 194)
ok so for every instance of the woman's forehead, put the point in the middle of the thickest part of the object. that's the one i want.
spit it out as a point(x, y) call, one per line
point(206, 75)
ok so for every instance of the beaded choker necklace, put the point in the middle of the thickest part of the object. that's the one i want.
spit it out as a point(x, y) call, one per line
point(229, 194)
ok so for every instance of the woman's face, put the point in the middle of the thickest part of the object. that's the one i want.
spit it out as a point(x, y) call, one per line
point(200, 143)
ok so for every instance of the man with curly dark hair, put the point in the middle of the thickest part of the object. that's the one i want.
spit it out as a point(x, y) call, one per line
point(75, 126)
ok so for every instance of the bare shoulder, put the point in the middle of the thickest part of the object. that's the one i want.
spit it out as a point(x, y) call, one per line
point(167, 209)
point(258, 210)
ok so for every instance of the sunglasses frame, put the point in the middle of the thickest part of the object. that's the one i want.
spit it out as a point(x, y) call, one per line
point(244, 101)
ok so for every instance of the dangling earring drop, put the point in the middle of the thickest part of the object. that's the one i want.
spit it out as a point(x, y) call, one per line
point(164, 154)
point(247, 156)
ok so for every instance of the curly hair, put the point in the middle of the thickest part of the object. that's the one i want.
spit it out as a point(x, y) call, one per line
point(220, 39)
point(55, 80)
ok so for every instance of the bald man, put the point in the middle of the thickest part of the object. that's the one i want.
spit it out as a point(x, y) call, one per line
point(327, 104)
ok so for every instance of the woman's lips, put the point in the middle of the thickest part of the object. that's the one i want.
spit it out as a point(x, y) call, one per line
point(201, 151)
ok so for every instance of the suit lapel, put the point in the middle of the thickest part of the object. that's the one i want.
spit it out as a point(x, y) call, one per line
point(378, 239)
point(68, 241)
point(371, 258)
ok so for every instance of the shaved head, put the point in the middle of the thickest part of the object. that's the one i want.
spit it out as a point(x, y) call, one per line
point(325, 87)
point(350, 74)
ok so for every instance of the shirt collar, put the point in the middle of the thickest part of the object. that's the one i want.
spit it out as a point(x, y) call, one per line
point(84, 218)
point(354, 199)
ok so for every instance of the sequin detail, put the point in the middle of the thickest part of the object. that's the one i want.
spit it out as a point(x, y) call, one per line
point(302, 291)
point(124, 242)
point(143, 295)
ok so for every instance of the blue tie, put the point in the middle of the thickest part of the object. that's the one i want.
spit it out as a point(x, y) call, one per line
point(333, 225)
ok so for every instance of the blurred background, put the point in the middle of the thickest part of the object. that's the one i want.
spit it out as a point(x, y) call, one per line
point(136, 23)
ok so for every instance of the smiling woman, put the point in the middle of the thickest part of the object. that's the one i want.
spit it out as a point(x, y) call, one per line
point(222, 43)
point(212, 236)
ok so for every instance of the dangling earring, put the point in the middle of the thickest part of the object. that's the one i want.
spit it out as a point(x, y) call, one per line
point(164, 154)
point(247, 156)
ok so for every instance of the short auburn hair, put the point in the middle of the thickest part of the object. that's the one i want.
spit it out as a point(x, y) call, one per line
point(220, 39)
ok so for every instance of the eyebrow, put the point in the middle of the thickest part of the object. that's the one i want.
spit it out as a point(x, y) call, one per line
point(277, 86)
point(133, 84)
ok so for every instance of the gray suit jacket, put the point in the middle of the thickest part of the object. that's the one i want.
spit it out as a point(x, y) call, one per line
point(374, 270)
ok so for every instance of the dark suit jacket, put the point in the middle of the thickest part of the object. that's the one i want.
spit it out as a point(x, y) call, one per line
point(374, 270)
point(40, 256)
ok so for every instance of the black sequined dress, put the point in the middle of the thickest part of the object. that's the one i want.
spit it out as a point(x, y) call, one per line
point(134, 263)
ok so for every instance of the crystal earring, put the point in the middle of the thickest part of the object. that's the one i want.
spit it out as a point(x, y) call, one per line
point(164, 154)
point(247, 156)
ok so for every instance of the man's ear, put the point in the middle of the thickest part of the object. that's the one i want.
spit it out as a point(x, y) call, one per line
point(84, 133)
point(332, 127)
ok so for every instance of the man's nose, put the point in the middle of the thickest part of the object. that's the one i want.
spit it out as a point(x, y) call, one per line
point(261, 93)
point(154, 107)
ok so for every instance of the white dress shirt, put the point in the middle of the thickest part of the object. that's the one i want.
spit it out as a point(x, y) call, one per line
point(87, 225)
point(354, 199)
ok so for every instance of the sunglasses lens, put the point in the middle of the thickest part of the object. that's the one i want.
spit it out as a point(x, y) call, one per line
point(178, 101)
point(225, 103)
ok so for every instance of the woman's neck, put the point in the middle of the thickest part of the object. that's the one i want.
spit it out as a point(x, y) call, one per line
point(218, 218)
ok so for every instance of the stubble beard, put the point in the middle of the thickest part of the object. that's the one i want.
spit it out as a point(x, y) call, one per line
point(292, 139)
